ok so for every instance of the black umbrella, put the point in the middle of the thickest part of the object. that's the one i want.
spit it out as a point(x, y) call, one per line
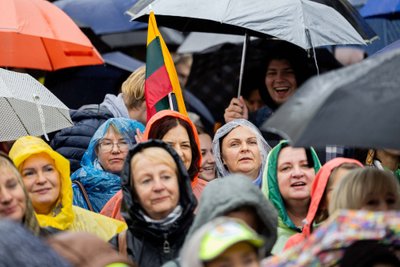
point(214, 75)
point(356, 106)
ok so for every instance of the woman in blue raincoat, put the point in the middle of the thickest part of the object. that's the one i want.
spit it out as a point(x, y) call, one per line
point(99, 177)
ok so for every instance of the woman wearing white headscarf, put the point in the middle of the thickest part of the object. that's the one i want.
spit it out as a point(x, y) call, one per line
point(239, 147)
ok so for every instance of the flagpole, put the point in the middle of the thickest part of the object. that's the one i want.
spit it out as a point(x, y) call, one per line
point(171, 104)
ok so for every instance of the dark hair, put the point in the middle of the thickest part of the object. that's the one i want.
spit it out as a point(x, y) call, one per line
point(296, 56)
point(162, 126)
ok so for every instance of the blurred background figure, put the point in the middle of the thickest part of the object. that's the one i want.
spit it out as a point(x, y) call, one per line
point(208, 167)
point(253, 99)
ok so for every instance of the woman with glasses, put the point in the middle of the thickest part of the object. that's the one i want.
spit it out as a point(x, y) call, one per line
point(99, 175)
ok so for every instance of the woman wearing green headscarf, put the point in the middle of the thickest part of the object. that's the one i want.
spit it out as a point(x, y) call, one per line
point(287, 180)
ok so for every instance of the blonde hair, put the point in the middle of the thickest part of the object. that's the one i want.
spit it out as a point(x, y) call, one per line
point(155, 155)
point(29, 220)
point(133, 88)
point(353, 190)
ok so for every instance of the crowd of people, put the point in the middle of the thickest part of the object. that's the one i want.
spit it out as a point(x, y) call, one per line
point(119, 190)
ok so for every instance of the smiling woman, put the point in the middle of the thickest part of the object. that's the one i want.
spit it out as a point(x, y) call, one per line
point(45, 174)
point(287, 181)
point(14, 200)
point(159, 201)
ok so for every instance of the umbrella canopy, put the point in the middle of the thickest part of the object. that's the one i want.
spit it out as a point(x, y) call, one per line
point(374, 8)
point(354, 106)
point(104, 17)
point(304, 23)
point(36, 34)
point(202, 42)
point(28, 108)
point(326, 246)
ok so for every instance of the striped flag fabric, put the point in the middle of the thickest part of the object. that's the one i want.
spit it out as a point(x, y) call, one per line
point(161, 76)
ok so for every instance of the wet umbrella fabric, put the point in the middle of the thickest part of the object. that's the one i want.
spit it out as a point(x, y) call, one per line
point(28, 108)
point(304, 23)
point(103, 17)
point(38, 35)
point(356, 106)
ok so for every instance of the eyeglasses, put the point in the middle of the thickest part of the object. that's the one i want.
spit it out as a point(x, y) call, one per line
point(108, 146)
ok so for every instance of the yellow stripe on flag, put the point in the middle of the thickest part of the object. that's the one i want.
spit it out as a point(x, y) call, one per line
point(153, 32)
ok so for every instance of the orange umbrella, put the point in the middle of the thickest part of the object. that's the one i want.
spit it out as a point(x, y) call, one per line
point(36, 34)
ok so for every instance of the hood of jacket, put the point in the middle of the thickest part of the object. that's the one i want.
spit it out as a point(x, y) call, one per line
point(319, 186)
point(270, 181)
point(131, 207)
point(27, 146)
point(221, 196)
point(227, 128)
point(171, 113)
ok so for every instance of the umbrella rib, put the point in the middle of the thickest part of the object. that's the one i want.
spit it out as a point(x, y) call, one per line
point(62, 114)
point(20, 120)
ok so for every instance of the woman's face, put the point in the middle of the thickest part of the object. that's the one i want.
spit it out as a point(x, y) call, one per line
point(207, 170)
point(280, 80)
point(112, 151)
point(240, 152)
point(294, 175)
point(178, 138)
point(42, 181)
point(156, 186)
point(383, 201)
point(12, 197)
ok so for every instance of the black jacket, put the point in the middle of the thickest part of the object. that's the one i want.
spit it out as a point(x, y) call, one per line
point(72, 142)
point(147, 245)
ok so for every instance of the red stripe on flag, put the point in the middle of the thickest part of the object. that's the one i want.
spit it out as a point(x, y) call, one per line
point(157, 86)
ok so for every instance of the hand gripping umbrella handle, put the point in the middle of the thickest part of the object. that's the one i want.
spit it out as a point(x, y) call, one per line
point(36, 98)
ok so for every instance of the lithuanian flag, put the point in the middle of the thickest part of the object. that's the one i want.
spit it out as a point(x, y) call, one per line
point(161, 76)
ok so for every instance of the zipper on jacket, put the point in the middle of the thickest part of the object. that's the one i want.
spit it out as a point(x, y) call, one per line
point(166, 247)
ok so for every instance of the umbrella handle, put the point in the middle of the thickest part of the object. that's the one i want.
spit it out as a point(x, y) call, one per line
point(36, 98)
point(245, 42)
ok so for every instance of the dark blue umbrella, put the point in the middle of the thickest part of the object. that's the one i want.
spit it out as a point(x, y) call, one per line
point(103, 16)
point(373, 8)
point(383, 17)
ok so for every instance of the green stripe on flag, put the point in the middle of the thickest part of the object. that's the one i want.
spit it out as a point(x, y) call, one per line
point(154, 57)
point(162, 104)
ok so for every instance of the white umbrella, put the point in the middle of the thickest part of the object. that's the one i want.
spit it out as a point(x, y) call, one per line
point(28, 108)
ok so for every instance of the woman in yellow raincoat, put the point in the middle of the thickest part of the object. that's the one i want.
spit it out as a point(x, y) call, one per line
point(46, 177)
